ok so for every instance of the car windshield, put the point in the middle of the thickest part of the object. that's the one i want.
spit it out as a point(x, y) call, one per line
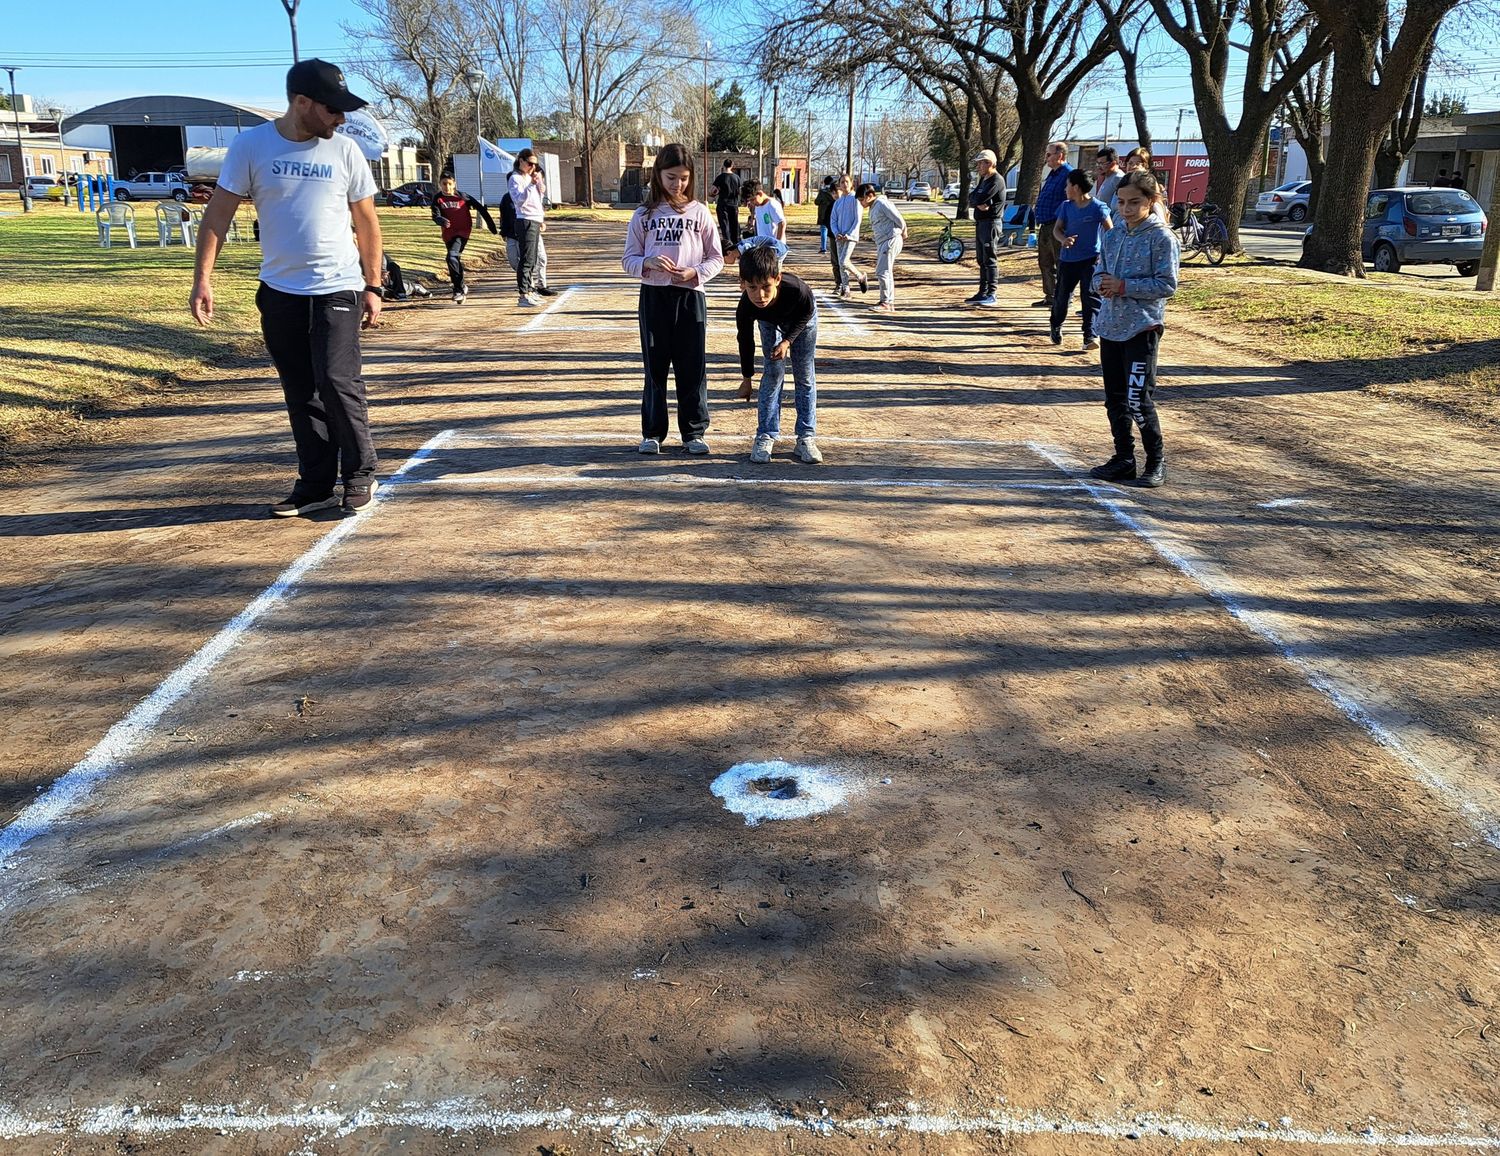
point(1289, 187)
point(1441, 203)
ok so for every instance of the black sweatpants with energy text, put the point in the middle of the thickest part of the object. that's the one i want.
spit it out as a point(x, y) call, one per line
point(1129, 382)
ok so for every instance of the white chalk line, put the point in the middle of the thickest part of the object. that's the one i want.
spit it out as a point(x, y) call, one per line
point(858, 328)
point(687, 479)
point(536, 322)
point(127, 735)
point(466, 1115)
point(1486, 824)
point(543, 439)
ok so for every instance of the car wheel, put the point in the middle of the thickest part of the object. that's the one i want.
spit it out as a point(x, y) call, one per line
point(1468, 268)
point(1386, 259)
point(179, 195)
point(1297, 213)
point(122, 194)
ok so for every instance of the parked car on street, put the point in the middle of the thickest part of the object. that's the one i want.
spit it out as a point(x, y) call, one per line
point(413, 193)
point(1285, 202)
point(44, 188)
point(1421, 226)
point(919, 191)
point(950, 191)
point(149, 186)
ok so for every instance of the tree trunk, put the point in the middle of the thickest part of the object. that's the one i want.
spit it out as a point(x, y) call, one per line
point(1387, 162)
point(587, 150)
point(1037, 119)
point(1234, 153)
point(1333, 245)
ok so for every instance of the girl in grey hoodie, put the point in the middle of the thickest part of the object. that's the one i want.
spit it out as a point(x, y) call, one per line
point(1137, 272)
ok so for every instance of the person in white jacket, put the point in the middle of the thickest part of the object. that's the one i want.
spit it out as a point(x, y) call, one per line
point(888, 227)
point(526, 192)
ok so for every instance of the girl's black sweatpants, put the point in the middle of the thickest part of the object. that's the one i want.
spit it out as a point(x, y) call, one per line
point(674, 334)
point(1129, 382)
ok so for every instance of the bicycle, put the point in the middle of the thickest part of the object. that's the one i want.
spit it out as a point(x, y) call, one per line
point(950, 248)
point(1200, 229)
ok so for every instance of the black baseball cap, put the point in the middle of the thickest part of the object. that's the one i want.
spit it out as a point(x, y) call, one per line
point(323, 82)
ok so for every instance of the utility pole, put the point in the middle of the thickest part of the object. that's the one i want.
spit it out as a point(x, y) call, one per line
point(20, 155)
point(1106, 124)
point(760, 140)
point(849, 132)
point(1176, 156)
point(707, 47)
point(776, 133)
point(291, 15)
point(807, 185)
point(1490, 256)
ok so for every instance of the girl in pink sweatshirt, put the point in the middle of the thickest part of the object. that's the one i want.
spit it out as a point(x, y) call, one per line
point(672, 245)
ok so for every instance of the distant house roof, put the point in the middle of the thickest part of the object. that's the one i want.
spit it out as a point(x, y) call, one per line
point(193, 111)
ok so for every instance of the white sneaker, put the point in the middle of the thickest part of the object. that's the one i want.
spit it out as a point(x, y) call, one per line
point(526, 302)
point(460, 297)
point(760, 451)
point(807, 451)
point(697, 446)
point(649, 446)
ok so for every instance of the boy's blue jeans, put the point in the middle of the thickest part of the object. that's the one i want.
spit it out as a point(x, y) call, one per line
point(822, 238)
point(773, 377)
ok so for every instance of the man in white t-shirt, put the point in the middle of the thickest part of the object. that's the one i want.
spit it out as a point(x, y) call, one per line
point(319, 282)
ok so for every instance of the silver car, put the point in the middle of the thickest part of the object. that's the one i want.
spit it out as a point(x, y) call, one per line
point(1285, 202)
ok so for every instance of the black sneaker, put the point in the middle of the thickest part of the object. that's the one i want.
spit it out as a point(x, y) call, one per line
point(298, 504)
point(864, 283)
point(1117, 469)
point(1057, 337)
point(1042, 304)
point(1153, 476)
point(359, 495)
point(545, 292)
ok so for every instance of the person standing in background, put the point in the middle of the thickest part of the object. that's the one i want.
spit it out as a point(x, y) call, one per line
point(824, 201)
point(1049, 199)
point(527, 189)
point(987, 199)
point(888, 228)
point(844, 221)
point(726, 195)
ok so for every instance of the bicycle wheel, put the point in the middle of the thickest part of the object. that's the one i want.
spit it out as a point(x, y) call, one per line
point(1216, 241)
point(950, 249)
point(1188, 237)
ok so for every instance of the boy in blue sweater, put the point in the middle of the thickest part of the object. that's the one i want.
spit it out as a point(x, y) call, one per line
point(1076, 230)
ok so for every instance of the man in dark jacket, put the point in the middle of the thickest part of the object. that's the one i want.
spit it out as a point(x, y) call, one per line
point(727, 196)
point(987, 199)
point(824, 201)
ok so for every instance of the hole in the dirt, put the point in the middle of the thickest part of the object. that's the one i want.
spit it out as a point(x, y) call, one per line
point(776, 787)
point(778, 790)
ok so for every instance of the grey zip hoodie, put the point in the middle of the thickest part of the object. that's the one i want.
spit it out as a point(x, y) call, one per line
point(1145, 257)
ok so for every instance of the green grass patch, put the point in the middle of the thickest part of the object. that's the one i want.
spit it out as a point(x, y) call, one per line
point(1434, 346)
point(84, 328)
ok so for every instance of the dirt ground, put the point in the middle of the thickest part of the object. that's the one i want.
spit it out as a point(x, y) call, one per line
point(1203, 855)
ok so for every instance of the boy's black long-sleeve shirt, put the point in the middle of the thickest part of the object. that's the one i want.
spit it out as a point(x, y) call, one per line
point(791, 312)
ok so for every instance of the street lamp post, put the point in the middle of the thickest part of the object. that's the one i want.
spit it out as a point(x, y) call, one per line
point(475, 80)
point(20, 154)
point(62, 155)
point(707, 48)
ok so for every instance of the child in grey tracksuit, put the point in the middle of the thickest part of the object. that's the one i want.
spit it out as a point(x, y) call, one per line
point(1136, 274)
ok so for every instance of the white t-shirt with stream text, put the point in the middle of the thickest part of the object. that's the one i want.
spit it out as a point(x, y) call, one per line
point(302, 191)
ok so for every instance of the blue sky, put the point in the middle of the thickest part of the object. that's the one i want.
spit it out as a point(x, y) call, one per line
point(83, 53)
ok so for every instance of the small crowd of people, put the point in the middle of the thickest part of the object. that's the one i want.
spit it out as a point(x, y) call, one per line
point(1105, 237)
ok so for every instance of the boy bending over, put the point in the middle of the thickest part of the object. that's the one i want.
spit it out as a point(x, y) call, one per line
point(783, 306)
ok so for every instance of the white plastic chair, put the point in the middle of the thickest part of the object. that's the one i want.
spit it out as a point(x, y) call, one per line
point(115, 216)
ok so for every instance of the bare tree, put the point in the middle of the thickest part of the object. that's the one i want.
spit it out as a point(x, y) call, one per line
point(1204, 29)
point(1401, 135)
point(902, 144)
point(414, 53)
point(1307, 115)
point(508, 28)
point(1128, 28)
point(1365, 100)
point(611, 52)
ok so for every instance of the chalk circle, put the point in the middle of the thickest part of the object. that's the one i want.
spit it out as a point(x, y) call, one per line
point(780, 790)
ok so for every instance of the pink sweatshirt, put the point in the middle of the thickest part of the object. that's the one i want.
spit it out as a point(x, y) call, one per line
point(690, 238)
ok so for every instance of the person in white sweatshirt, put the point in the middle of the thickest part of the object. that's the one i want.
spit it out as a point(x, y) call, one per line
point(672, 246)
point(526, 191)
point(888, 227)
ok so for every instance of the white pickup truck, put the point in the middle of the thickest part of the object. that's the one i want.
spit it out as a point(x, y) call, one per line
point(148, 186)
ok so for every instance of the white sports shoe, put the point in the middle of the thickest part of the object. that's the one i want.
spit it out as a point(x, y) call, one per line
point(526, 302)
point(807, 451)
point(760, 451)
point(697, 446)
point(648, 446)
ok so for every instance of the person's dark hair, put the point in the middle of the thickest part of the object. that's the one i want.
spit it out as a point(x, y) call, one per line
point(1106, 153)
point(1081, 180)
point(523, 155)
point(1145, 181)
point(1144, 154)
point(827, 182)
point(777, 194)
point(864, 190)
point(672, 156)
point(728, 165)
point(759, 265)
point(749, 187)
